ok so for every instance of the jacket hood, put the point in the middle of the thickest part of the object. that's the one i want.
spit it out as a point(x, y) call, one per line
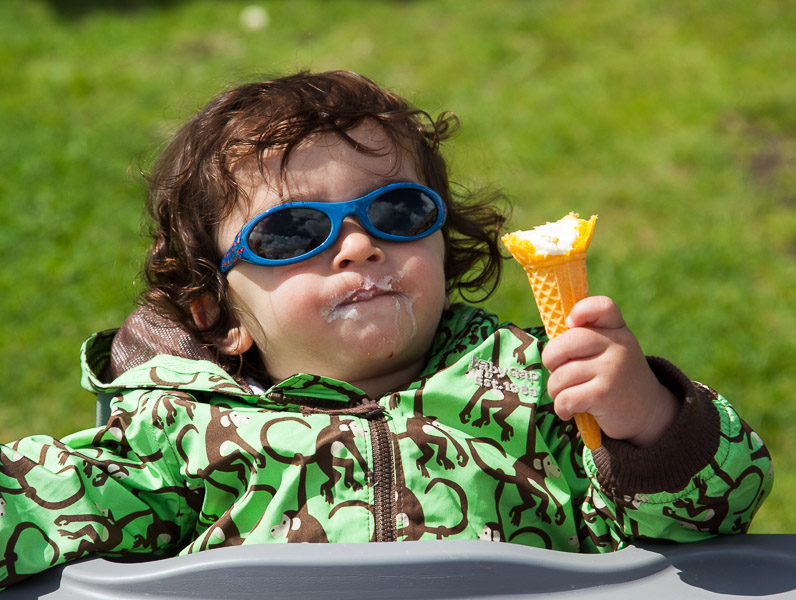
point(147, 353)
point(151, 352)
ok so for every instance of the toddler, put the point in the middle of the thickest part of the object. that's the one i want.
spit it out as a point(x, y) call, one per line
point(297, 372)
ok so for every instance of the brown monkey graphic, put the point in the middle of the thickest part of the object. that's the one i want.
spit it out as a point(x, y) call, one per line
point(425, 431)
point(530, 471)
point(226, 449)
point(413, 519)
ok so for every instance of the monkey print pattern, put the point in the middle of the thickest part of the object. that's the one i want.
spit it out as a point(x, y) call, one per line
point(193, 458)
point(500, 390)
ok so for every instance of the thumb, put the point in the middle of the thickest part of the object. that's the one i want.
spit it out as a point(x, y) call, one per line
point(596, 311)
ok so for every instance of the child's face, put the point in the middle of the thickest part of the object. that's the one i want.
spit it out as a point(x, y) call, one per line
point(363, 311)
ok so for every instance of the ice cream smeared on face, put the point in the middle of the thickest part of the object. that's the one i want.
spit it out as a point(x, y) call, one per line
point(376, 313)
point(347, 305)
point(552, 238)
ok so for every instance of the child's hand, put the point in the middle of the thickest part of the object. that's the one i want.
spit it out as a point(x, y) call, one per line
point(597, 366)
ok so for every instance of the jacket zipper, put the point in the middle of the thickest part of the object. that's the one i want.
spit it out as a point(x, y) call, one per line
point(383, 478)
point(383, 475)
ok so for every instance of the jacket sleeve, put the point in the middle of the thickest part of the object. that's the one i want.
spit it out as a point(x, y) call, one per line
point(108, 490)
point(708, 475)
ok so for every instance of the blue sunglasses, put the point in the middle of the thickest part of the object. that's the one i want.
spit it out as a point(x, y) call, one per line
point(296, 231)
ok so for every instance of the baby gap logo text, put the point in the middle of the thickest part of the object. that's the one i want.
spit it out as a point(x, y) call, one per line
point(487, 374)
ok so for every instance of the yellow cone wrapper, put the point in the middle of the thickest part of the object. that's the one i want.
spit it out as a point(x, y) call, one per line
point(558, 281)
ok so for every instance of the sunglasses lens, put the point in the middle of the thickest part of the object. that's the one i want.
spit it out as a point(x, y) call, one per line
point(289, 233)
point(404, 212)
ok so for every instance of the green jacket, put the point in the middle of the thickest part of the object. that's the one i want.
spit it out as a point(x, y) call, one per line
point(193, 457)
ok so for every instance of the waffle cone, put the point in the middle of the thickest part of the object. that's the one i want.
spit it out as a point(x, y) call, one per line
point(557, 286)
point(558, 283)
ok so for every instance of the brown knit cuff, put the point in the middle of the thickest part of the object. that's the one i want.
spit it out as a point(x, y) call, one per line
point(683, 451)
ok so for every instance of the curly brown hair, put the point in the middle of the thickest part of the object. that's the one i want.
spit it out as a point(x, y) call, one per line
point(193, 187)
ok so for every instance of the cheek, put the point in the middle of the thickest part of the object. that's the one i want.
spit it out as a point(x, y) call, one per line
point(251, 293)
point(275, 308)
point(292, 306)
point(432, 259)
point(426, 269)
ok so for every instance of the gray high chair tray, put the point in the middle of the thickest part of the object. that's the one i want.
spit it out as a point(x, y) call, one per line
point(728, 567)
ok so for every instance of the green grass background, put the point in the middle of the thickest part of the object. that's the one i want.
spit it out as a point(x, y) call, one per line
point(675, 122)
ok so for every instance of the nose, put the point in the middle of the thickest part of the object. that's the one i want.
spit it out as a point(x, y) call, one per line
point(355, 246)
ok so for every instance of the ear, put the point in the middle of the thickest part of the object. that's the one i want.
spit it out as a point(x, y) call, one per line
point(236, 341)
point(204, 312)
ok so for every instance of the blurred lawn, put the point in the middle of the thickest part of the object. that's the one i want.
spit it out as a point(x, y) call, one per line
point(675, 123)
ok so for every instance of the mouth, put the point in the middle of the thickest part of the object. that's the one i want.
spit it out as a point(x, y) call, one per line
point(366, 291)
point(365, 294)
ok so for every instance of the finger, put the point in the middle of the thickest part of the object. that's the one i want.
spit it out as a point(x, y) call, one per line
point(596, 311)
point(569, 375)
point(575, 344)
point(575, 399)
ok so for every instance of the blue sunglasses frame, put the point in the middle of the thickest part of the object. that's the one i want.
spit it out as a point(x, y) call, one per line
point(336, 212)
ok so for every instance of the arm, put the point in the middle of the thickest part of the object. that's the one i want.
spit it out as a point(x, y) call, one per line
point(106, 490)
point(678, 464)
point(707, 475)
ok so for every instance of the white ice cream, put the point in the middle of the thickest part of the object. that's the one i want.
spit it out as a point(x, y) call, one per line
point(552, 238)
point(346, 306)
point(354, 305)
